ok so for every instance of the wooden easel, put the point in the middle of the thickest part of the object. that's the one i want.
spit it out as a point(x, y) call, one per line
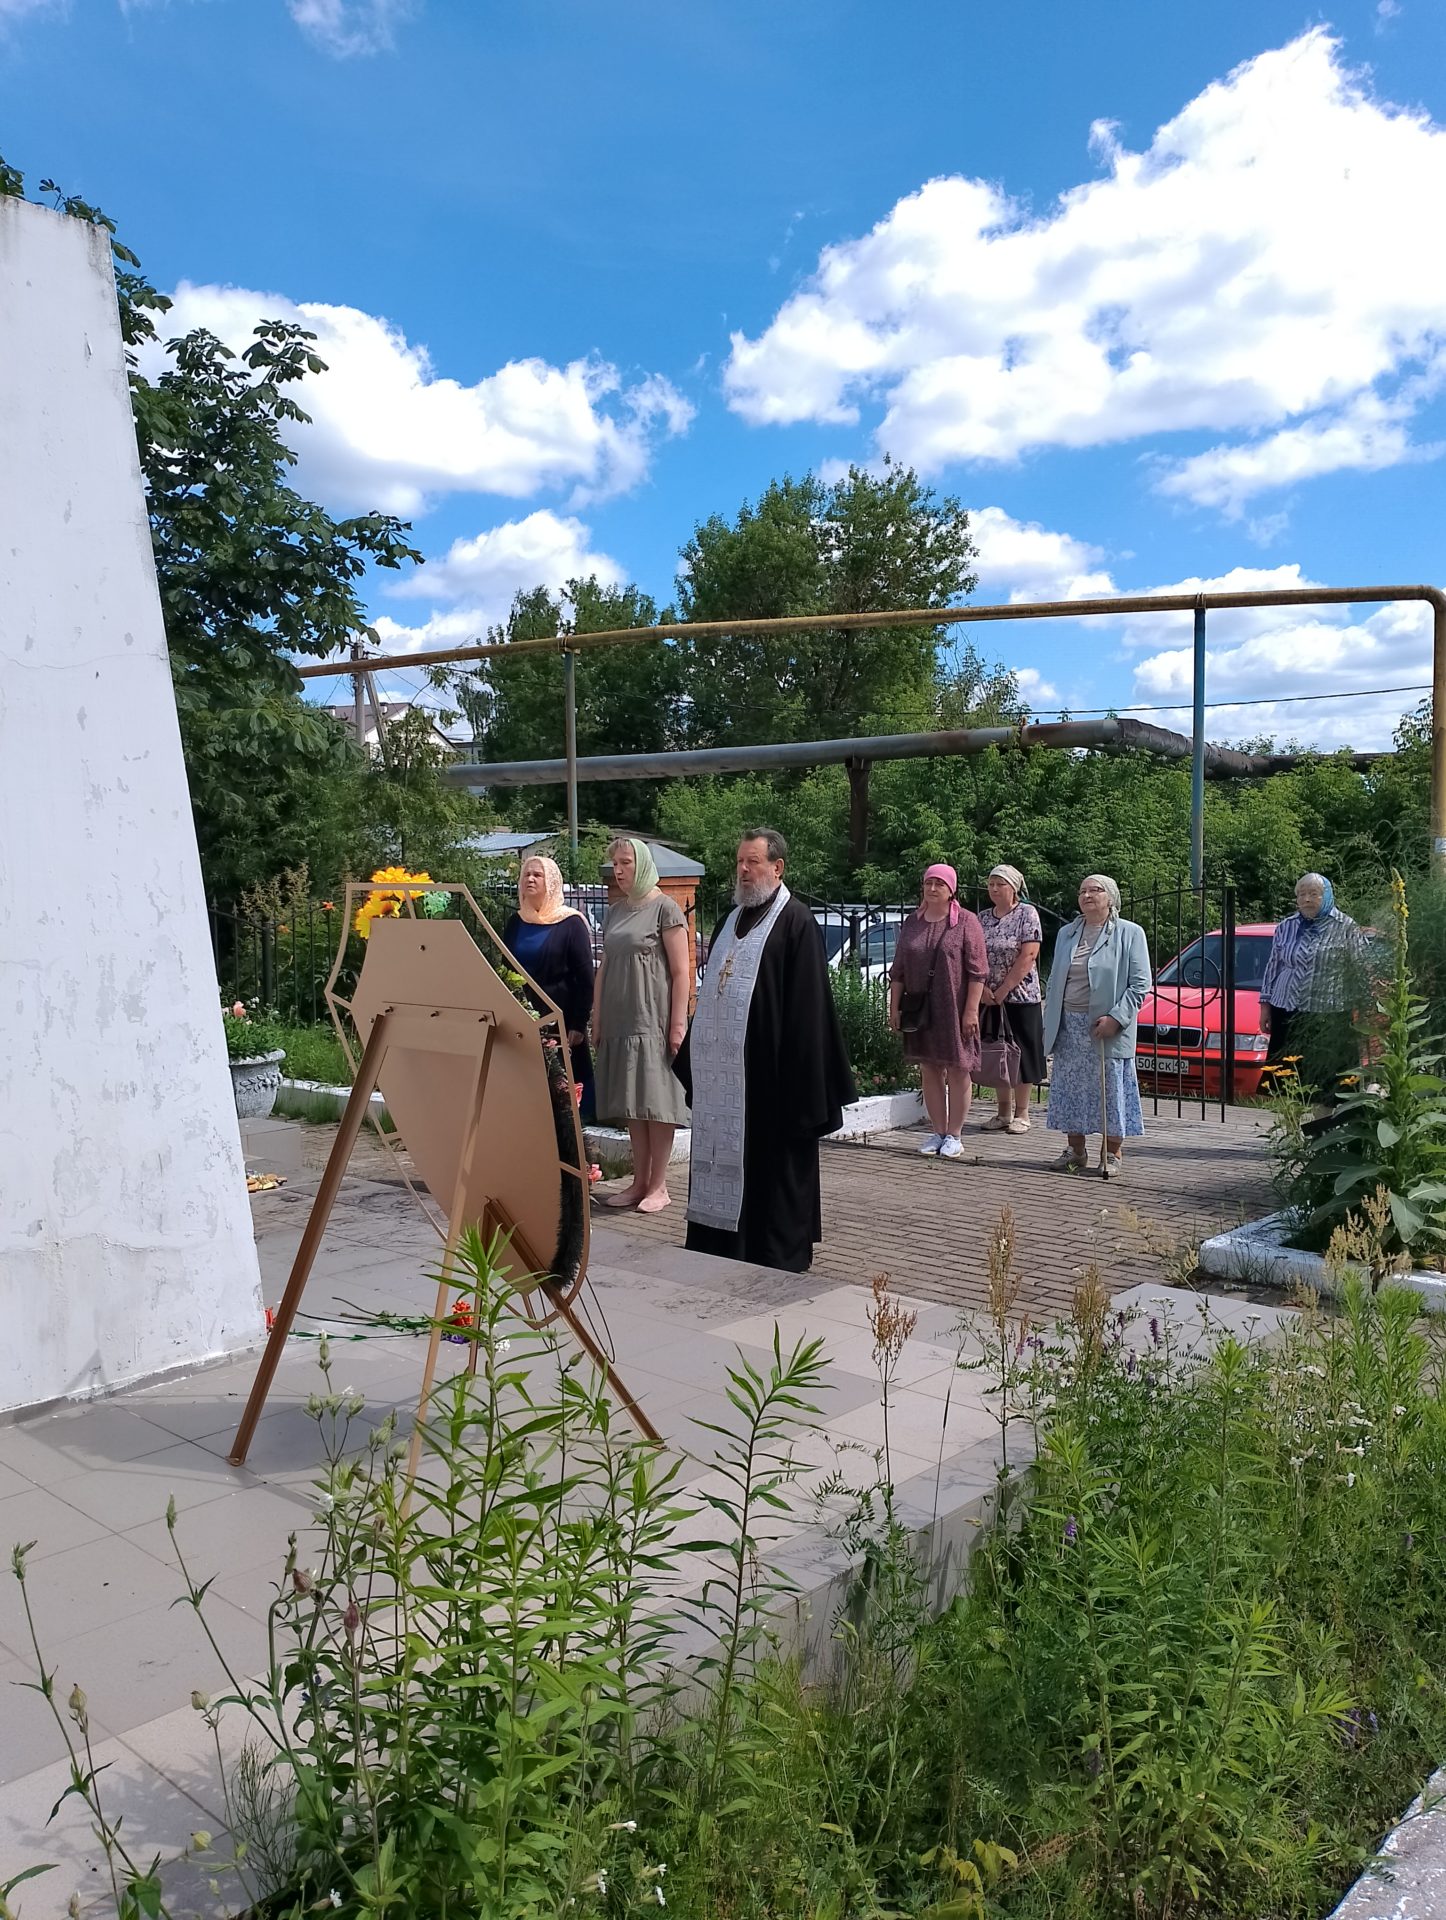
point(445, 1058)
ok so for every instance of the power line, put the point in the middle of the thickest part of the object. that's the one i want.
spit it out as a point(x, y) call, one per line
point(1264, 700)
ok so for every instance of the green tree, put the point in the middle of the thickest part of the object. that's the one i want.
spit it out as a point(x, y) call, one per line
point(628, 699)
point(870, 542)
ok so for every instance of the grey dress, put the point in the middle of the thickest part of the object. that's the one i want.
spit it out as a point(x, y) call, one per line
point(633, 1077)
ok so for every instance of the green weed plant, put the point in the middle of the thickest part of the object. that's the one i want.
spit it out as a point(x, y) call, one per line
point(1198, 1668)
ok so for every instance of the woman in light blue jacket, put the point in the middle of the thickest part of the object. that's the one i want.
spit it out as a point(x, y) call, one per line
point(1097, 985)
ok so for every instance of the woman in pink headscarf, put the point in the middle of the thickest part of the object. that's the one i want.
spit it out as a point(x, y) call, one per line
point(940, 966)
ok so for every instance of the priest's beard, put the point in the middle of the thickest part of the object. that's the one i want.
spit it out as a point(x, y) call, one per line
point(748, 893)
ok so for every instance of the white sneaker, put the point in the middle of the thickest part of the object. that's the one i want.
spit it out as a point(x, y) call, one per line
point(1017, 1126)
point(951, 1147)
point(932, 1143)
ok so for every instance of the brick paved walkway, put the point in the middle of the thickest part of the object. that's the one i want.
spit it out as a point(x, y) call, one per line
point(927, 1222)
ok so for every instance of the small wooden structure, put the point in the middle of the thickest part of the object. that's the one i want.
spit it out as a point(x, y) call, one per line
point(480, 1090)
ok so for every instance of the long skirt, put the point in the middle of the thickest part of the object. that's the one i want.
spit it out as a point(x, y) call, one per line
point(1317, 1047)
point(1074, 1086)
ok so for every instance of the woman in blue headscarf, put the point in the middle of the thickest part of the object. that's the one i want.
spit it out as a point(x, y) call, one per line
point(1313, 982)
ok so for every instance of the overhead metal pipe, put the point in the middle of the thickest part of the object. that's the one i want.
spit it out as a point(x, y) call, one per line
point(950, 616)
point(1220, 762)
point(903, 617)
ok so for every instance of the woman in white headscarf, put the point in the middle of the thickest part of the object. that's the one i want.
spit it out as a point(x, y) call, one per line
point(1011, 1008)
point(1315, 977)
point(1097, 985)
point(640, 1014)
point(550, 942)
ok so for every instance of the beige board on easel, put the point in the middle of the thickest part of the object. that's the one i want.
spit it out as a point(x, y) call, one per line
point(490, 1127)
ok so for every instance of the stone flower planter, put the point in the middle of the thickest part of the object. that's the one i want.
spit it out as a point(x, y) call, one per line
point(256, 1084)
point(1259, 1254)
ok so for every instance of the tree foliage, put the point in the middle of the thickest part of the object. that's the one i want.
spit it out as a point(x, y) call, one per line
point(628, 697)
point(868, 543)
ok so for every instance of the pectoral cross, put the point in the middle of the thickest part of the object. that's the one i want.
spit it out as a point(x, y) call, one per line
point(727, 969)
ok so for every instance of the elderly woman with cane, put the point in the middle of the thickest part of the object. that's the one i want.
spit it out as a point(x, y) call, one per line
point(1098, 983)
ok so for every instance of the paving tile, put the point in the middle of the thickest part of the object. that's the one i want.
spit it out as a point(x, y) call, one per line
point(41, 1515)
point(32, 1738)
point(704, 1362)
point(105, 1581)
point(149, 1664)
point(124, 1497)
point(244, 1529)
point(59, 1446)
point(183, 1749)
point(12, 1482)
point(920, 1426)
point(287, 1439)
point(157, 1816)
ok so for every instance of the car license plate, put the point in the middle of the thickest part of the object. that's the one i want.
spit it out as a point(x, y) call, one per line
point(1159, 1064)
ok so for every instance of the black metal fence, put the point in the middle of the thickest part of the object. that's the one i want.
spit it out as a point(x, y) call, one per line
point(1199, 1043)
point(283, 964)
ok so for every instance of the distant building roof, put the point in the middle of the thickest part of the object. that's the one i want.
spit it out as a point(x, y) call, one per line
point(672, 865)
point(500, 841)
point(504, 840)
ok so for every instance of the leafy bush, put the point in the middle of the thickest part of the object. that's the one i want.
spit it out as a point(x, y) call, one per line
point(314, 1053)
point(250, 1031)
point(1208, 1667)
point(1386, 1133)
point(875, 1051)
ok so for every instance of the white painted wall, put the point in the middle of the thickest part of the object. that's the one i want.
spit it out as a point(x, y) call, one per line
point(125, 1232)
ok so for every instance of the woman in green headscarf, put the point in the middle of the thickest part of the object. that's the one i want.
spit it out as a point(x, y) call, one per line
point(640, 1014)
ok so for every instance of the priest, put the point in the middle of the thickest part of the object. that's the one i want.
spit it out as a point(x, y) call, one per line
point(765, 1071)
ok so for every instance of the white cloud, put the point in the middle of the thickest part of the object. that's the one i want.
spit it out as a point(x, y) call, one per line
point(1019, 560)
point(389, 431)
point(350, 27)
point(17, 9)
point(1034, 689)
point(1242, 274)
point(1365, 436)
point(545, 549)
point(1264, 655)
point(479, 577)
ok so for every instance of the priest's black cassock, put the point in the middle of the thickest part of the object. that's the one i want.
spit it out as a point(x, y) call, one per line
point(796, 1081)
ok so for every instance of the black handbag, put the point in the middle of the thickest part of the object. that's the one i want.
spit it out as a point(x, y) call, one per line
point(914, 1007)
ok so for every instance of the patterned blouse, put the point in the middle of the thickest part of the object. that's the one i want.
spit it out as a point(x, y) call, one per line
point(1315, 966)
point(1004, 935)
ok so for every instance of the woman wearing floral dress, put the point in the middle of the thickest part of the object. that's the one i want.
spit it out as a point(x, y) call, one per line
point(940, 961)
point(640, 1014)
point(1011, 999)
point(1097, 985)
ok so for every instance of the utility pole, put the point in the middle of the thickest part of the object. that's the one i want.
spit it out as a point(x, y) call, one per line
point(1197, 756)
point(569, 688)
point(358, 696)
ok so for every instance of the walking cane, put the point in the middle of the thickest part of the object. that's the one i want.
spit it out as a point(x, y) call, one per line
point(1104, 1114)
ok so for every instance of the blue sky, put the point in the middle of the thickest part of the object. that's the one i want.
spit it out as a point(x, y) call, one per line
point(1156, 291)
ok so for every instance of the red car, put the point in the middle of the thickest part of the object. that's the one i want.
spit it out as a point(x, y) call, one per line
point(1178, 1045)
